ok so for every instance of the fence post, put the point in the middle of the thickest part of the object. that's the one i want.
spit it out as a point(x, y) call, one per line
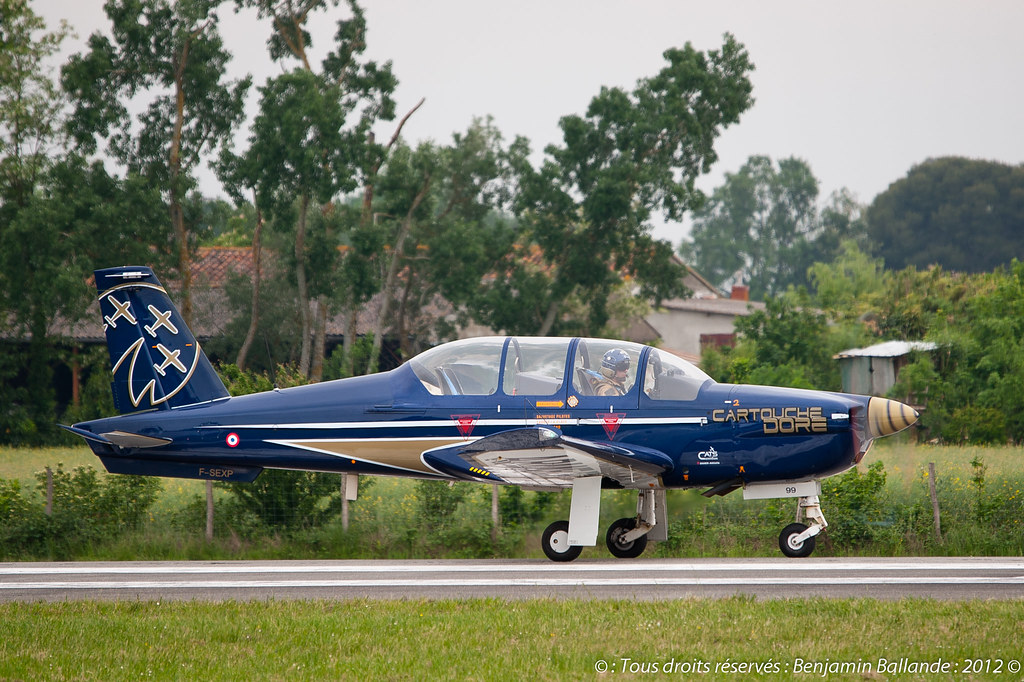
point(209, 511)
point(349, 492)
point(49, 491)
point(935, 501)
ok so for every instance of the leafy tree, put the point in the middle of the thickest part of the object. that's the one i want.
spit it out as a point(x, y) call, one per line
point(170, 50)
point(851, 284)
point(758, 227)
point(77, 220)
point(916, 301)
point(981, 368)
point(444, 201)
point(30, 103)
point(58, 216)
point(30, 119)
point(840, 220)
point(961, 214)
point(311, 143)
point(789, 333)
point(587, 209)
point(789, 343)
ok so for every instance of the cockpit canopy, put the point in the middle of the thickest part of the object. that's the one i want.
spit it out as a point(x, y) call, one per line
point(545, 366)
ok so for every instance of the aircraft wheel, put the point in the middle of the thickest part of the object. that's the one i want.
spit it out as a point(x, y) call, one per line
point(555, 542)
point(627, 550)
point(791, 548)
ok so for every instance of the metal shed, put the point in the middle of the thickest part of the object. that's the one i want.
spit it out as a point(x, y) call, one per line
point(874, 370)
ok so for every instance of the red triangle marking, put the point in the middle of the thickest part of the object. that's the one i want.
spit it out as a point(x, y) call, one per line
point(611, 422)
point(465, 423)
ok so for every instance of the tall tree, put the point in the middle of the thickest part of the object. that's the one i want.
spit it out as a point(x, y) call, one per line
point(756, 227)
point(587, 209)
point(443, 202)
point(171, 51)
point(311, 143)
point(30, 118)
point(30, 103)
point(79, 218)
point(59, 217)
point(962, 214)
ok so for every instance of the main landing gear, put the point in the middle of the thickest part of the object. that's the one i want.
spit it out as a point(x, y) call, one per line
point(626, 538)
point(797, 539)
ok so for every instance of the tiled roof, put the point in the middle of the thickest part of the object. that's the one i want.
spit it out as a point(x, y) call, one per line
point(214, 264)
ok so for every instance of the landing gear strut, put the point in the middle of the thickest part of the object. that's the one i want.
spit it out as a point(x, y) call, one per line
point(797, 539)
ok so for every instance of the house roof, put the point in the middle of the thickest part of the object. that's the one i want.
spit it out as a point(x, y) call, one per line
point(713, 306)
point(888, 349)
point(214, 264)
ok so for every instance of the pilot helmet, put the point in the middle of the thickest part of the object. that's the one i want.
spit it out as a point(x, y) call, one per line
point(615, 360)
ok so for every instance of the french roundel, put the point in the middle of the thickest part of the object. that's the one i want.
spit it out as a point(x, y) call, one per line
point(232, 440)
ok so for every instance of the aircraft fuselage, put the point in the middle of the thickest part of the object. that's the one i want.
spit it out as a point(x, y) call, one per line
point(356, 425)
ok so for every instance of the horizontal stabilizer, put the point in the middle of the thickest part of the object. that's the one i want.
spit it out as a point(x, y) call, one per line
point(119, 438)
point(87, 435)
point(206, 471)
point(543, 457)
point(134, 440)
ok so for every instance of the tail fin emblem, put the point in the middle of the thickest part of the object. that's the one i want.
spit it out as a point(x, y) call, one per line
point(170, 359)
point(120, 310)
point(156, 360)
point(163, 319)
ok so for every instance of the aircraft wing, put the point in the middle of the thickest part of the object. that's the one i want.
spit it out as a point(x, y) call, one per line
point(543, 457)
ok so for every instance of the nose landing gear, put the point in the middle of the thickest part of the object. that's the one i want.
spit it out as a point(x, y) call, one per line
point(797, 539)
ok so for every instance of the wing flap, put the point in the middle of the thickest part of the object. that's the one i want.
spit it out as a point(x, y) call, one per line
point(542, 457)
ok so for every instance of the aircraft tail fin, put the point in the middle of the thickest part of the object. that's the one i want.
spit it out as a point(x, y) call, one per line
point(157, 362)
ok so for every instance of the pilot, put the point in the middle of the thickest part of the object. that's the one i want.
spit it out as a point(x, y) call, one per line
point(614, 368)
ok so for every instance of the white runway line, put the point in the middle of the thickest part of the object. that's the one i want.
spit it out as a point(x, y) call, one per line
point(783, 565)
point(425, 574)
point(509, 582)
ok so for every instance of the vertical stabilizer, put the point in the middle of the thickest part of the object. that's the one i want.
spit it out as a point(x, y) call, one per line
point(157, 362)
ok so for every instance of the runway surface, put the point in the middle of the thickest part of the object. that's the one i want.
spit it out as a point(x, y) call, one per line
point(638, 579)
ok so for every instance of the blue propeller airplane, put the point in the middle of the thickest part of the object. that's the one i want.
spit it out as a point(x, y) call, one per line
point(541, 413)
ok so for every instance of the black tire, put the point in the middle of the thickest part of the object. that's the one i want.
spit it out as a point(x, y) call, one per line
point(555, 542)
point(629, 550)
point(792, 550)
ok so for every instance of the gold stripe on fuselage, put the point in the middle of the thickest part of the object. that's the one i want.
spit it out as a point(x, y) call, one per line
point(397, 453)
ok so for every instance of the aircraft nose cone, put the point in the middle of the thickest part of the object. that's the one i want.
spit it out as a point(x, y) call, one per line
point(889, 416)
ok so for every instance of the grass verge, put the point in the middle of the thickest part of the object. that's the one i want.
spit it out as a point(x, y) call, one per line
point(736, 638)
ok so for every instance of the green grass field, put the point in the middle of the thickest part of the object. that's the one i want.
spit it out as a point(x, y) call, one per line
point(730, 639)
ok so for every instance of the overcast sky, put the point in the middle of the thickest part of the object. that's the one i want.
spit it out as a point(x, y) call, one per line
point(861, 90)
